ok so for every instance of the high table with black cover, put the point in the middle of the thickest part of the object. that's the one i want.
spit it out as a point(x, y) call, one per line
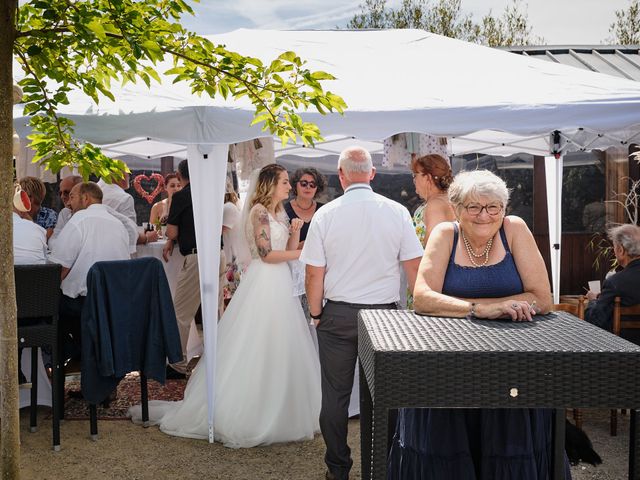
point(556, 361)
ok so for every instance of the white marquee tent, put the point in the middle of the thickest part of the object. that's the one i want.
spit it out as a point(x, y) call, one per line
point(483, 99)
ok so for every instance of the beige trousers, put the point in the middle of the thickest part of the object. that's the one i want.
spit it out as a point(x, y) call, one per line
point(186, 302)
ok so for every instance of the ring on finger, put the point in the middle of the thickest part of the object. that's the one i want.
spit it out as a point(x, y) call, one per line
point(515, 306)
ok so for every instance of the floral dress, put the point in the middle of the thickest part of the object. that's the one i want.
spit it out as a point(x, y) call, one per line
point(418, 224)
point(421, 232)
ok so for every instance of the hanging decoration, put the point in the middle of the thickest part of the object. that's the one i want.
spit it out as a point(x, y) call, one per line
point(149, 197)
point(252, 154)
point(399, 149)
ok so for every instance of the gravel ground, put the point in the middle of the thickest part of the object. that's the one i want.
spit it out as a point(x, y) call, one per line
point(127, 451)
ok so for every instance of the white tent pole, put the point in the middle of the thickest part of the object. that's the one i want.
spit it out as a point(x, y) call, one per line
point(553, 176)
point(207, 171)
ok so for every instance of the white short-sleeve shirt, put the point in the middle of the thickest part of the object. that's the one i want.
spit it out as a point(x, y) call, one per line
point(91, 235)
point(29, 242)
point(361, 238)
point(115, 197)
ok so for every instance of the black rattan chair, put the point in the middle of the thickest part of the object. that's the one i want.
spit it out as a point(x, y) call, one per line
point(632, 321)
point(37, 298)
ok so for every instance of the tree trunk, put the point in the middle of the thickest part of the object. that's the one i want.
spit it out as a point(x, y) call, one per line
point(9, 408)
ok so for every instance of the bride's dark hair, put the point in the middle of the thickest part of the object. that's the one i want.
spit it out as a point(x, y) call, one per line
point(267, 181)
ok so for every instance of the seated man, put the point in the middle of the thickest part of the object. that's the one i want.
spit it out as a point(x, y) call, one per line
point(91, 235)
point(29, 240)
point(624, 284)
point(66, 184)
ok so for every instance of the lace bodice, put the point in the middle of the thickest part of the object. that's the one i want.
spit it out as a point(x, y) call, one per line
point(278, 231)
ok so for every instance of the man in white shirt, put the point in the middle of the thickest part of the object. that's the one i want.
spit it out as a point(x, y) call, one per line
point(135, 238)
point(66, 184)
point(114, 195)
point(91, 235)
point(353, 253)
point(29, 241)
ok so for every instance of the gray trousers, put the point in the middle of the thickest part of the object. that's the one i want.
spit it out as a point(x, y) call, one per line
point(338, 349)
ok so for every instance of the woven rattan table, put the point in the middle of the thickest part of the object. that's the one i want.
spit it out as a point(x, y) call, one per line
point(556, 361)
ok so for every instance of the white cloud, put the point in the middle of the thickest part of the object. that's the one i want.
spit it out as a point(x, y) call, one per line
point(558, 21)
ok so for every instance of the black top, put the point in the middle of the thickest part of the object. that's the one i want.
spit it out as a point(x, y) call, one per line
point(181, 215)
point(623, 284)
point(292, 214)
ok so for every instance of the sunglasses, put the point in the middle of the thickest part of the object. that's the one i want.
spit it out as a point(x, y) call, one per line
point(305, 184)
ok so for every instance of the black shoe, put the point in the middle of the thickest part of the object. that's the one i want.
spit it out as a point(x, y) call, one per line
point(172, 374)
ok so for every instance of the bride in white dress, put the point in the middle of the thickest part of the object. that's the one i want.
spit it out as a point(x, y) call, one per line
point(267, 370)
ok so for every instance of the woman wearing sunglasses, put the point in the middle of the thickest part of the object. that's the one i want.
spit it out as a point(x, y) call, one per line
point(307, 183)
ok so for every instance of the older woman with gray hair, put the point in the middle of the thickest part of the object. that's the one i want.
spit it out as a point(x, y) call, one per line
point(624, 284)
point(486, 266)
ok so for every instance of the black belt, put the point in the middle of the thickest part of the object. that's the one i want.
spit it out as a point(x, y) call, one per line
point(364, 306)
point(193, 251)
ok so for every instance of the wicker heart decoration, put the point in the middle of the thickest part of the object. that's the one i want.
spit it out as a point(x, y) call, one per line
point(149, 197)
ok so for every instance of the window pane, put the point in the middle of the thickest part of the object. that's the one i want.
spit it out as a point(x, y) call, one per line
point(583, 194)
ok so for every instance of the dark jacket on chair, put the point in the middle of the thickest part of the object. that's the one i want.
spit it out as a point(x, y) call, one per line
point(624, 284)
point(128, 324)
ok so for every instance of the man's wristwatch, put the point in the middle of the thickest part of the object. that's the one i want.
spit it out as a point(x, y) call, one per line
point(316, 317)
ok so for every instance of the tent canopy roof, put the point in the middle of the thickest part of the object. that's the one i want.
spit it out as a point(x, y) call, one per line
point(393, 81)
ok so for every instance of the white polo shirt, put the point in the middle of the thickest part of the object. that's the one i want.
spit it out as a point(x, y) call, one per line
point(91, 235)
point(115, 197)
point(361, 238)
point(29, 242)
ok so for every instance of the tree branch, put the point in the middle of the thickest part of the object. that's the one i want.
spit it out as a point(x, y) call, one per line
point(42, 32)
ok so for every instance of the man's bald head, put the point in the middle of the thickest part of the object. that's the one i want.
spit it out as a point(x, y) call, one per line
point(355, 166)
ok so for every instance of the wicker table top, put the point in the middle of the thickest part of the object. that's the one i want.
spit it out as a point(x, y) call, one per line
point(555, 361)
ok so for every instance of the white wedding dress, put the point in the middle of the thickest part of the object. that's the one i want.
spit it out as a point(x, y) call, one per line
point(267, 370)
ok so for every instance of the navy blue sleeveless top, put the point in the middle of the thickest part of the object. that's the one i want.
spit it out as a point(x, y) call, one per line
point(491, 281)
point(305, 226)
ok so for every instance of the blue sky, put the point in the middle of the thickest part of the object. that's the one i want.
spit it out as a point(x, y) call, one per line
point(558, 21)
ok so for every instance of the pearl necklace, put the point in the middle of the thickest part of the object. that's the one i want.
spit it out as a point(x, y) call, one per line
point(473, 254)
